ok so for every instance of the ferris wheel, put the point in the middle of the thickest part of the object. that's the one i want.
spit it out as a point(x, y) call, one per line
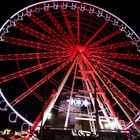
point(71, 49)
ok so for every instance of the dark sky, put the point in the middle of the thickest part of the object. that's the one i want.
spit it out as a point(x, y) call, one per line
point(127, 10)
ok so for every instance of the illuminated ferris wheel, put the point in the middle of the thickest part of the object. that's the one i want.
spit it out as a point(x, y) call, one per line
point(76, 51)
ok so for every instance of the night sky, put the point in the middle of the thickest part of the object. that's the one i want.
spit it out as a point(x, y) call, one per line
point(126, 10)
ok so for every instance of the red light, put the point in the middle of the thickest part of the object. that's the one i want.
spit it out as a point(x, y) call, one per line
point(81, 48)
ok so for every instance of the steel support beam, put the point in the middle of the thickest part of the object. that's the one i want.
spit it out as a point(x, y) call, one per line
point(118, 102)
point(50, 106)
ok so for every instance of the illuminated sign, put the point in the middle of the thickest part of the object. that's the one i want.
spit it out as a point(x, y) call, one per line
point(79, 102)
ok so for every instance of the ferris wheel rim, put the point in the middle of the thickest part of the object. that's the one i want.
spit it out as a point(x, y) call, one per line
point(58, 1)
point(48, 1)
point(20, 116)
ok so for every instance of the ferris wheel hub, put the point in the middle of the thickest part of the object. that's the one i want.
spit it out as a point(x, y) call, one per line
point(81, 48)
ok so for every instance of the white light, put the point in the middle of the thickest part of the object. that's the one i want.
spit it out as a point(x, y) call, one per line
point(6, 131)
point(113, 125)
point(49, 116)
point(79, 102)
point(3, 107)
point(85, 103)
point(106, 125)
point(13, 117)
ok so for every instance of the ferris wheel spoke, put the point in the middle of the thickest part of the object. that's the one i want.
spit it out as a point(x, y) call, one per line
point(85, 35)
point(59, 28)
point(39, 35)
point(39, 83)
point(96, 43)
point(78, 25)
point(31, 69)
point(96, 33)
point(37, 96)
point(119, 77)
point(115, 55)
point(47, 28)
point(40, 98)
point(117, 65)
point(27, 56)
point(112, 46)
point(68, 25)
point(115, 92)
point(32, 44)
